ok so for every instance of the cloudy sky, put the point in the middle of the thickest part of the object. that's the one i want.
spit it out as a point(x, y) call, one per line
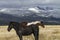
point(27, 2)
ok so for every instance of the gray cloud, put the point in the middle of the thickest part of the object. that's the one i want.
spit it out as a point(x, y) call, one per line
point(28, 2)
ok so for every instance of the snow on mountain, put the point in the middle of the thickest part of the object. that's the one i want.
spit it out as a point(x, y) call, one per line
point(45, 12)
point(15, 11)
point(39, 11)
point(30, 14)
point(34, 10)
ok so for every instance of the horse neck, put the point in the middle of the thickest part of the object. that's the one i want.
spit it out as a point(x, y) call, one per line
point(16, 27)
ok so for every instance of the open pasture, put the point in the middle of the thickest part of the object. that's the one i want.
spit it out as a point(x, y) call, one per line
point(50, 32)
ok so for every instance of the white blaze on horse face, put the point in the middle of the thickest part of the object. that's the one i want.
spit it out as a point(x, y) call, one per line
point(35, 22)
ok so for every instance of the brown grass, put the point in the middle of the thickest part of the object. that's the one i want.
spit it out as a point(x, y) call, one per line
point(50, 32)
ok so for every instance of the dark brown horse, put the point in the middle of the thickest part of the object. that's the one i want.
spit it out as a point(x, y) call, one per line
point(23, 30)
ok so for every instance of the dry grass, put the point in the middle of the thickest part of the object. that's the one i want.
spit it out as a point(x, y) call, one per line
point(50, 32)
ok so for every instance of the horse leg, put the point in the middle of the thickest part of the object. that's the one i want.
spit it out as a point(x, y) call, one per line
point(19, 35)
point(36, 34)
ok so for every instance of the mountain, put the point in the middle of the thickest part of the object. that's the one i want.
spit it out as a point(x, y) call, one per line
point(6, 18)
point(46, 14)
point(45, 8)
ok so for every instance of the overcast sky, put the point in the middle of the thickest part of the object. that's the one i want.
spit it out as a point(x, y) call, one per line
point(28, 2)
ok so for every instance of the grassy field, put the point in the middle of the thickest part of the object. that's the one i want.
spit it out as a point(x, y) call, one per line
point(50, 32)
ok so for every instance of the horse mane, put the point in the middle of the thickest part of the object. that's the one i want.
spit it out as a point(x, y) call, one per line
point(23, 24)
point(12, 22)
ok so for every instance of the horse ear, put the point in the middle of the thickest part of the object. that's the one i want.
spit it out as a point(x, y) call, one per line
point(41, 21)
point(12, 23)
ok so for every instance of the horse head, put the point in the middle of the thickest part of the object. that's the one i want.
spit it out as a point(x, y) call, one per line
point(40, 23)
point(11, 25)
